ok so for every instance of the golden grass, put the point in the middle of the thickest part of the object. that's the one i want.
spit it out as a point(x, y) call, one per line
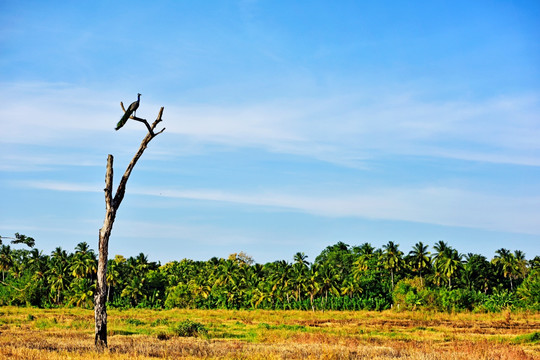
point(28, 333)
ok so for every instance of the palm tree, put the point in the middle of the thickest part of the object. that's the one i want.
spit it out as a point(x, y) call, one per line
point(392, 259)
point(58, 279)
point(366, 255)
point(59, 256)
point(134, 290)
point(508, 263)
point(300, 258)
point(297, 279)
point(6, 259)
point(313, 284)
point(199, 287)
point(440, 247)
point(141, 264)
point(113, 276)
point(328, 280)
point(82, 292)
point(476, 272)
point(521, 264)
point(449, 263)
point(419, 258)
point(349, 287)
point(84, 261)
point(279, 278)
point(38, 264)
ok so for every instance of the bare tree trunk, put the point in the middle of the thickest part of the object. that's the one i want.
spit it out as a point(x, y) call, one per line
point(100, 308)
point(111, 206)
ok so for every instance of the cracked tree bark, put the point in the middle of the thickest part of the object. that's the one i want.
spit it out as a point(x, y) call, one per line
point(111, 206)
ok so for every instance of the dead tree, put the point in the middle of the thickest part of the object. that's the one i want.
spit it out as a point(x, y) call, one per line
point(111, 205)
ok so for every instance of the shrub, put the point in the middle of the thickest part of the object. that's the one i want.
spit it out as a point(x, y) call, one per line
point(458, 299)
point(499, 300)
point(408, 294)
point(529, 290)
point(188, 328)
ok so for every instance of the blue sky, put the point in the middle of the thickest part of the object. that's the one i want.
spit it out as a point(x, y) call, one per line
point(290, 126)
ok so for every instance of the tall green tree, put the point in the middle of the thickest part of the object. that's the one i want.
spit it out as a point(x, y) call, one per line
point(419, 259)
point(449, 264)
point(508, 263)
point(6, 260)
point(392, 259)
point(477, 272)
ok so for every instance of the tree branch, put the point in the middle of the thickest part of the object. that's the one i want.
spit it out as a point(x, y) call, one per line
point(120, 191)
point(109, 183)
point(145, 122)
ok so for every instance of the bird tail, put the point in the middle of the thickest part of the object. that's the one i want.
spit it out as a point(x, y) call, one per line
point(123, 120)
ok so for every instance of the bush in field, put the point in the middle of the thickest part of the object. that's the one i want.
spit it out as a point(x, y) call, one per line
point(529, 290)
point(499, 300)
point(408, 293)
point(188, 328)
point(458, 299)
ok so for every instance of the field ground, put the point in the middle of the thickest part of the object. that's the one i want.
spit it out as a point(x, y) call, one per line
point(30, 333)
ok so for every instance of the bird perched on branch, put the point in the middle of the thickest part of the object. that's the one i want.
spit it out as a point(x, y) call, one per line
point(130, 111)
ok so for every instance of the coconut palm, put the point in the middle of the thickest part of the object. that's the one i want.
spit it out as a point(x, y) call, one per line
point(82, 292)
point(58, 279)
point(476, 272)
point(448, 264)
point(114, 276)
point(328, 281)
point(366, 255)
point(301, 258)
point(313, 284)
point(350, 287)
point(440, 247)
point(134, 290)
point(508, 263)
point(392, 259)
point(298, 279)
point(419, 258)
point(6, 260)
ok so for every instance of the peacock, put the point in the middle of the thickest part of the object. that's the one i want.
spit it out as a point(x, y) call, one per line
point(132, 109)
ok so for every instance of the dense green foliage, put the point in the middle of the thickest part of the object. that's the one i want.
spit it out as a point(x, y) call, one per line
point(341, 278)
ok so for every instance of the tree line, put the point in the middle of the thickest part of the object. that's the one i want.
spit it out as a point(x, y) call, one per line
point(341, 277)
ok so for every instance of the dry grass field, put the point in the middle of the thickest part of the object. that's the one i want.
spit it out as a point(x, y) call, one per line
point(28, 333)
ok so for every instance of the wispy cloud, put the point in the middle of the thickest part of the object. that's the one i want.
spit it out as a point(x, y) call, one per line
point(433, 205)
point(343, 129)
point(60, 186)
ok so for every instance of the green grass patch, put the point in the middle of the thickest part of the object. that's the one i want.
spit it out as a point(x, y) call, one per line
point(423, 328)
point(122, 332)
point(531, 338)
point(136, 322)
point(282, 327)
point(159, 322)
point(46, 323)
point(80, 324)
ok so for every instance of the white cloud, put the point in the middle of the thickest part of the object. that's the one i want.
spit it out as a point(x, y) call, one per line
point(343, 129)
point(433, 205)
point(340, 129)
point(60, 186)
